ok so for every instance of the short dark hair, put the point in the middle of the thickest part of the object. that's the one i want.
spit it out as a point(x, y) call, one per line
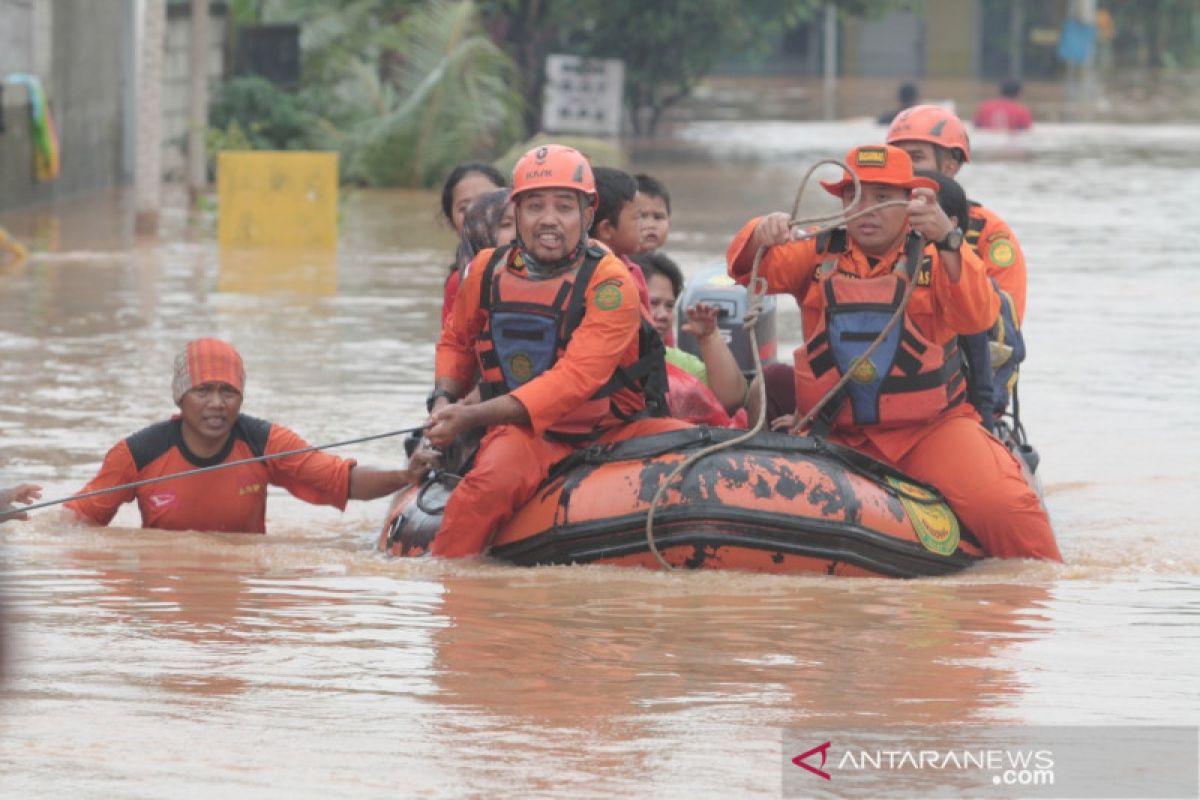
point(908, 93)
point(1010, 87)
point(615, 188)
point(653, 187)
point(463, 170)
point(658, 264)
point(951, 196)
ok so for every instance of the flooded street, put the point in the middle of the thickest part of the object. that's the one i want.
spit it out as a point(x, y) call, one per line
point(304, 664)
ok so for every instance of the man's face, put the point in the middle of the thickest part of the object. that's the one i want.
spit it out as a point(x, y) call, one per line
point(924, 155)
point(880, 230)
point(662, 303)
point(209, 411)
point(550, 222)
point(654, 222)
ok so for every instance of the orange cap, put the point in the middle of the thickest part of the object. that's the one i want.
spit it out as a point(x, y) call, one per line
point(554, 166)
point(207, 361)
point(932, 124)
point(879, 163)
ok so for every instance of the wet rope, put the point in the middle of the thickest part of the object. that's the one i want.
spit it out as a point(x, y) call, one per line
point(215, 467)
point(757, 289)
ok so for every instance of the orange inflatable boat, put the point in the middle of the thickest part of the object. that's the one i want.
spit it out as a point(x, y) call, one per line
point(775, 503)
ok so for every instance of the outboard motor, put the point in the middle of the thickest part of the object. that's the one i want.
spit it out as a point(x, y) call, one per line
point(714, 287)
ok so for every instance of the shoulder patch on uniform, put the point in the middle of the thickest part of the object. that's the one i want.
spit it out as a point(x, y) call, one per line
point(254, 431)
point(149, 443)
point(998, 235)
point(1001, 253)
point(608, 295)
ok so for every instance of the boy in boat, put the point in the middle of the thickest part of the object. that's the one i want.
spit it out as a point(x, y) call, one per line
point(555, 330)
point(210, 429)
point(654, 213)
point(936, 139)
point(905, 405)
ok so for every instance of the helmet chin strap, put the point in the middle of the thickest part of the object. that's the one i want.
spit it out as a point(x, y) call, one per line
point(545, 269)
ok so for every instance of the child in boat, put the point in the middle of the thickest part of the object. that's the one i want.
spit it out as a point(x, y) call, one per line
point(654, 213)
point(615, 224)
point(905, 405)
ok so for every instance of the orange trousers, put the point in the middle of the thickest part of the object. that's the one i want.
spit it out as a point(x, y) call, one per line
point(511, 463)
point(982, 482)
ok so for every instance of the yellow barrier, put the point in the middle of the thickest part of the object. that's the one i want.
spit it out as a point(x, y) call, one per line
point(277, 221)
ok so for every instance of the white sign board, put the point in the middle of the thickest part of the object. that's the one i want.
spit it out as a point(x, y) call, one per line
point(583, 95)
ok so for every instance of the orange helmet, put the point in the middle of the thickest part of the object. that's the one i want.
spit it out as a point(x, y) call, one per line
point(554, 166)
point(932, 124)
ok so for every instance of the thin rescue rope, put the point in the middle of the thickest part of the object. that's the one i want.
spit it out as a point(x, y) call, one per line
point(756, 288)
point(201, 470)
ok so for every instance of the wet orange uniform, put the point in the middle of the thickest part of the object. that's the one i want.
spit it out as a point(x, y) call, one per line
point(514, 459)
point(232, 499)
point(993, 241)
point(979, 477)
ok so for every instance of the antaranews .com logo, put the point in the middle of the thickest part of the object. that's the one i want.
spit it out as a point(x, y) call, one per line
point(994, 761)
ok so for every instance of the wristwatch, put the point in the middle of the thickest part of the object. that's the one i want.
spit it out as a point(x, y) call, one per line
point(435, 394)
point(951, 241)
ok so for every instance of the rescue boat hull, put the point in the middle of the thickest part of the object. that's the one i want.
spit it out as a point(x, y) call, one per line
point(776, 503)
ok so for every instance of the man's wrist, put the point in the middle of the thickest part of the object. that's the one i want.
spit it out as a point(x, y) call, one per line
point(438, 394)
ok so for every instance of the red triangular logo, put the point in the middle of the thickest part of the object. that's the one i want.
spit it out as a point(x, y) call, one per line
point(821, 748)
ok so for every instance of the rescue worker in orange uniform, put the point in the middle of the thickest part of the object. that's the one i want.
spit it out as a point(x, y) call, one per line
point(207, 386)
point(936, 139)
point(906, 405)
point(554, 328)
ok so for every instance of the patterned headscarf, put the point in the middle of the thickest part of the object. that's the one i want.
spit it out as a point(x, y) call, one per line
point(479, 226)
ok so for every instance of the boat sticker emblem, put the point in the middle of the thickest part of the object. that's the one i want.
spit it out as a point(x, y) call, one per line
point(935, 523)
point(521, 367)
point(1001, 253)
point(863, 371)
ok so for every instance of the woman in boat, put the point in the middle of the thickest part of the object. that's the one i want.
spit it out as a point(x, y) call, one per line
point(708, 389)
point(466, 182)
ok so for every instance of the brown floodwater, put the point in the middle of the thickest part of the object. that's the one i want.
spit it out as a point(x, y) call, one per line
point(303, 663)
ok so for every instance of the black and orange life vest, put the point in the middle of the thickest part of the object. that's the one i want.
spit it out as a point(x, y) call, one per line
point(528, 326)
point(907, 380)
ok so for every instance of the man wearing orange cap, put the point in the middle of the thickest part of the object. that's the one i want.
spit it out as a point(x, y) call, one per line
point(207, 387)
point(553, 328)
point(936, 139)
point(904, 405)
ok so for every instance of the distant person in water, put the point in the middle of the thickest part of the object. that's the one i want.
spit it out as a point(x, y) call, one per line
point(907, 96)
point(1005, 112)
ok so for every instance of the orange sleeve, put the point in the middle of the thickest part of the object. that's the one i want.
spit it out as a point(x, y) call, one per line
point(316, 477)
point(449, 292)
point(456, 348)
point(968, 306)
point(1002, 258)
point(788, 268)
point(118, 468)
point(597, 347)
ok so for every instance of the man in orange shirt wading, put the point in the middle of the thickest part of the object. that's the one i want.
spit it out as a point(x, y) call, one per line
point(554, 329)
point(905, 406)
point(210, 429)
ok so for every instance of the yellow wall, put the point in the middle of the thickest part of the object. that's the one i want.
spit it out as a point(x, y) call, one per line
point(277, 199)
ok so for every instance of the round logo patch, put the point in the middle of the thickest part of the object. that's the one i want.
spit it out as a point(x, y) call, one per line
point(1001, 253)
point(863, 371)
point(608, 297)
point(935, 524)
point(520, 366)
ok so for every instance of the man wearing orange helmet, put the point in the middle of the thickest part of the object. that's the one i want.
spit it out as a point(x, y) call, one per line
point(905, 404)
point(936, 139)
point(554, 330)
